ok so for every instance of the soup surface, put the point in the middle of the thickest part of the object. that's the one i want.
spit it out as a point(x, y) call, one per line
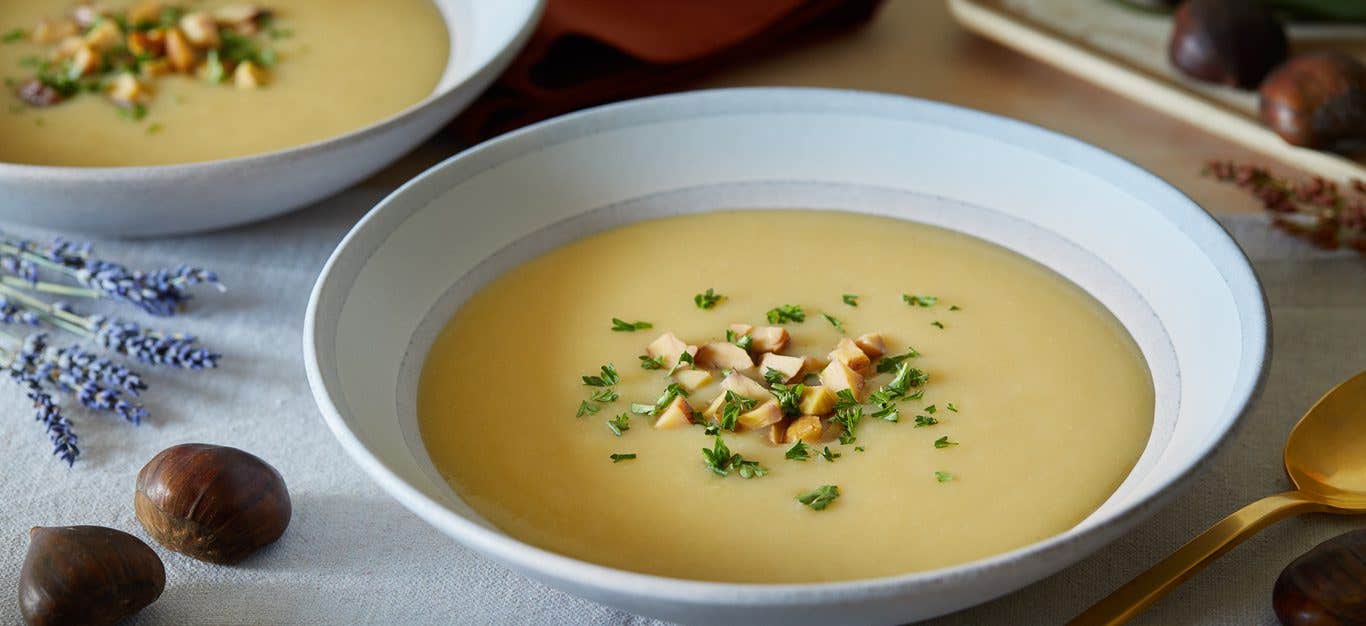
point(1037, 404)
point(342, 65)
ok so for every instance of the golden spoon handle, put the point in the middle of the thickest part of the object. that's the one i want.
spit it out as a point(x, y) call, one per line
point(1127, 601)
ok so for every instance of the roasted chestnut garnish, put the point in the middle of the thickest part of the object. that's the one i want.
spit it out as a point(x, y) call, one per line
point(1325, 586)
point(1230, 42)
point(213, 503)
point(87, 575)
point(1316, 100)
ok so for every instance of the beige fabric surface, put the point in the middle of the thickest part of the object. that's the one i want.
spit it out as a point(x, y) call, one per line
point(354, 556)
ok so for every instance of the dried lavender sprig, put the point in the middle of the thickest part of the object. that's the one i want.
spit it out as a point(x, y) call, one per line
point(160, 292)
point(176, 350)
point(23, 268)
point(91, 368)
point(72, 378)
point(59, 431)
point(11, 313)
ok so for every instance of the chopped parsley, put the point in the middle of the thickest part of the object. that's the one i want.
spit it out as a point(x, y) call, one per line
point(830, 455)
point(850, 299)
point(673, 390)
point(937, 324)
point(619, 457)
point(943, 477)
point(742, 341)
point(587, 408)
point(920, 301)
point(889, 363)
point(798, 452)
point(887, 397)
point(733, 406)
point(925, 420)
point(786, 313)
point(950, 407)
point(943, 442)
point(604, 395)
point(619, 424)
point(651, 363)
point(14, 36)
point(773, 377)
point(834, 322)
point(820, 498)
point(848, 413)
point(684, 358)
point(858, 448)
point(721, 462)
point(214, 72)
point(153, 129)
point(931, 409)
point(789, 397)
point(622, 326)
point(707, 299)
point(955, 308)
point(642, 409)
point(607, 378)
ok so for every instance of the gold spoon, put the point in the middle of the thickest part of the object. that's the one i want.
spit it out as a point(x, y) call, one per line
point(1325, 457)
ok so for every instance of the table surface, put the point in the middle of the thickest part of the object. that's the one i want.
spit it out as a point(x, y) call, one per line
point(393, 568)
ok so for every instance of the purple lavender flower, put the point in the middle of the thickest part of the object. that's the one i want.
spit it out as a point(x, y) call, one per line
point(95, 369)
point(59, 430)
point(159, 293)
point(124, 337)
point(21, 267)
point(11, 313)
point(70, 376)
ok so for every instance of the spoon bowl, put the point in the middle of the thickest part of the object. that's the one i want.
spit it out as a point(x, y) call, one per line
point(1326, 453)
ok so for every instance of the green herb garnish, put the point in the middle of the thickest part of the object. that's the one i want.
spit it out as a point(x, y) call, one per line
point(623, 326)
point(642, 409)
point(604, 396)
point(673, 390)
point(937, 324)
point(848, 413)
point(798, 452)
point(920, 301)
point(786, 313)
point(943, 477)
point(931, 409)
point(773, 376)
point(889, 363)
point(651, 363)
point(830, 455)
point(628, 456)
point(14, 36)
point(820, 498)
point(684, 358)
point(955, 308)
point(850, 299)
point(925, 420)
point(943, 442)
point(619, 424)
point(587, 408)
point(742, 341)
point(721, 461)
point(153, 129)
point(607, 378)
point(214, 72)
point(789, 397)
point(834, 322)
point(950, 407)
point(734, 405)
point(707, 299)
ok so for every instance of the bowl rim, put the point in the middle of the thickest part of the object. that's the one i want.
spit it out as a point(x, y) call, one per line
point(531, 11)
point(1211, 237)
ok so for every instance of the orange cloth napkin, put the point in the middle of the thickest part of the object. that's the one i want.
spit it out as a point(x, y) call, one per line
point(587, 52)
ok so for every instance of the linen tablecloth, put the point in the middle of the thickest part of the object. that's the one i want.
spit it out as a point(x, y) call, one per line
point(352, 555)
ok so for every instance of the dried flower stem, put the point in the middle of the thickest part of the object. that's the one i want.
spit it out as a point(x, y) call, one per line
point(1316, 210)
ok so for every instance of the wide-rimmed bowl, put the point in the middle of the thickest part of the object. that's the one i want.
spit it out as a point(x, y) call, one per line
point(1171, 275)
point(166, 199)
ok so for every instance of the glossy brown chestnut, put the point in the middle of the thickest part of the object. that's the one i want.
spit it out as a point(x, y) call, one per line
point(87, 575)
point(1316, 100)
point(1325, 586)
point(213, 503)
point(1230, 42)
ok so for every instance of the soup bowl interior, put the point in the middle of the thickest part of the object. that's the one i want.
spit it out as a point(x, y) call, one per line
point(167, 199)
point(1172, 277)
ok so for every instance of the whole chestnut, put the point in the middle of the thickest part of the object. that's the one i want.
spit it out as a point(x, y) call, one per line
point(1230, 42)
point(87, 575)
point(213, 503)
point(1326, 585)
point(1316, 100)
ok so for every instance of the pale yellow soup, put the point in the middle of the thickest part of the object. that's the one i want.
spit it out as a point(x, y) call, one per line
point(1054, 400)
point(347, 64)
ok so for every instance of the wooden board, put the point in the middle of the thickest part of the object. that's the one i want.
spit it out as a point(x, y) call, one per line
point(1124, 50)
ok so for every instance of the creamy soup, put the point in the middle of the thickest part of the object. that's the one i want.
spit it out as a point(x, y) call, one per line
point(335, 66)
point(1021, 408)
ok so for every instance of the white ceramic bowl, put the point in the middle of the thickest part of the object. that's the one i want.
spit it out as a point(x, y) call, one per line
point(1165, 268)
point(159, 200)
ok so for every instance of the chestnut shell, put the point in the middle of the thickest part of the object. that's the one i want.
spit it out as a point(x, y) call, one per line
point(87, 575)
point(1230, 42)
point(1316, 100)
point(214, 503)
point(1327, 585)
